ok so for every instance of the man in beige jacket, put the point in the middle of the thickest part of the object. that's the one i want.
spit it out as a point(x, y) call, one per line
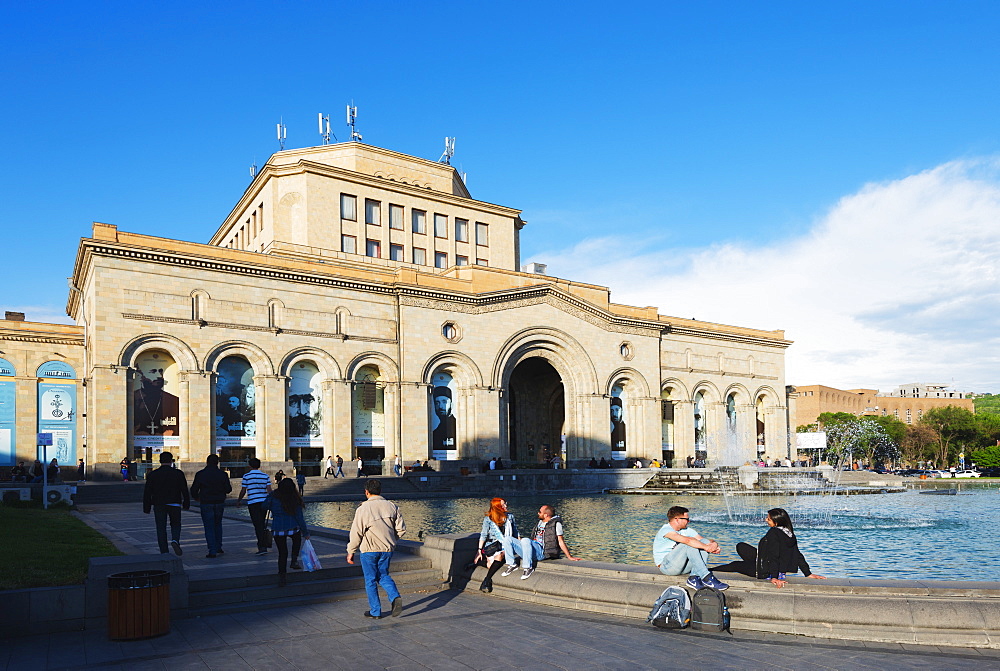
point(377, 526)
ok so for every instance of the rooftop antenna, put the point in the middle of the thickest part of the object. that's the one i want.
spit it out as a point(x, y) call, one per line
point(352, 115)
point(282, 134)
point(449, 150)
point(253, 169)
point(324, 128)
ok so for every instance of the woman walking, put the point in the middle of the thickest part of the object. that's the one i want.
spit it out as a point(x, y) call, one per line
point(287, 520)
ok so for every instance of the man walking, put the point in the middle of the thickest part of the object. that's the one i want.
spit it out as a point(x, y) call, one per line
point(256, 487)
point(166, 493)
point(340, 467)
point(678, 550)
point(209, 488)
point(377, 526)
point(545, 543)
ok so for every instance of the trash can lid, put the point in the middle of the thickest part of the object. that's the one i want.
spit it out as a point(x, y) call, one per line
point(138, 579)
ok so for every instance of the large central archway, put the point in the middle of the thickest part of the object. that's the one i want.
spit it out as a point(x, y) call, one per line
point(536, 405)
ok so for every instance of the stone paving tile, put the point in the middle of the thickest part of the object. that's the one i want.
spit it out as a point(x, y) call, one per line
point(224, 660)
point(100, 650)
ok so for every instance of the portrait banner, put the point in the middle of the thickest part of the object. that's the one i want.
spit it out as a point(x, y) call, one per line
point(305, 416)
point(443, 425)
point(155, 405)
point(618, 439)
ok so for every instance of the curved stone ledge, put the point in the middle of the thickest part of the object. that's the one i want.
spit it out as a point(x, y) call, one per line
point(930, 612)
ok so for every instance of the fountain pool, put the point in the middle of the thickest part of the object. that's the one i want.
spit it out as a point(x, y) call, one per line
point(879, 536)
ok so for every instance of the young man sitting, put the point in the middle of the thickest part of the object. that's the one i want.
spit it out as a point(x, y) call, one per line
point(545, 543)
point(678, 550)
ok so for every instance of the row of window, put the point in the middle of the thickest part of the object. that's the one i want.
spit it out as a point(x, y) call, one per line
point(373, 248)
point(418, 220)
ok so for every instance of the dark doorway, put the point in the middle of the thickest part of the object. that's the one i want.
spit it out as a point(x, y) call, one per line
point(536, 409)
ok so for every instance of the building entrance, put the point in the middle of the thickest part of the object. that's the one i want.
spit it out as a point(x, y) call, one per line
point(536, 411)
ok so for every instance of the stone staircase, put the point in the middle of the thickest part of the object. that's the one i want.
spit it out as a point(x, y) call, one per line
point(682, 480)
point(233, 592)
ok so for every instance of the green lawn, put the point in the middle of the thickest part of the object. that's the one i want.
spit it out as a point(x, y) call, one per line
point(45, 548)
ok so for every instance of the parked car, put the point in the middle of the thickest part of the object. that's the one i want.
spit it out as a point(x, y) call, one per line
point(993, 472)
point(938, 474)
point(966, 474)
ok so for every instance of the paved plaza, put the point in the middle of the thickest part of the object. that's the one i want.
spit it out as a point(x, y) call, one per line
point(437, 630)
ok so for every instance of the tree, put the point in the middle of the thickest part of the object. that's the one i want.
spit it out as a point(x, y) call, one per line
point(956, 427)
point(895, 428)
point(827, 419)
point(985, 457)
point(919, 442)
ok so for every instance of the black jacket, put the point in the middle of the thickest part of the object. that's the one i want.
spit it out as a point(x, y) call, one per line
point(777, 553)
point(165, 485)
point(211, 485)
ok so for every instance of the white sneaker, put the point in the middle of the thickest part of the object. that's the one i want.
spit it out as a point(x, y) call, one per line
point(510, 569)
point(527, 573)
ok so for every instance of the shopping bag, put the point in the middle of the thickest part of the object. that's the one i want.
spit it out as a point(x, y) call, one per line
point(308, 557)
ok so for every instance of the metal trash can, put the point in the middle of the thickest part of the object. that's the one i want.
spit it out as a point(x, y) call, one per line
point(138, 605)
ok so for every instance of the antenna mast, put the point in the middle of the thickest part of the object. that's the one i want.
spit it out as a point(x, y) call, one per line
point(253, 169)
point(324, 128)
point(449, 150)
point(282, 135)
point(352, 115)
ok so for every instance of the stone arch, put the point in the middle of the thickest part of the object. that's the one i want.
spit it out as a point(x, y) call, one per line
point(742, 393)
point(768, 393)
point(327, 364)
point(468, 371)
point(259, 359)
point(677, 384)
point(176, 347)
point(387, 367)
point(709, 389)
point(560, 349)
point(630, 374)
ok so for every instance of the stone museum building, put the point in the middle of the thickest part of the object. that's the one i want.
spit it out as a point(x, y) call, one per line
point(359, 302)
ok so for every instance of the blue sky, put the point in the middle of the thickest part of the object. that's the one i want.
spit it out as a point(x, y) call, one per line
point(688, 136)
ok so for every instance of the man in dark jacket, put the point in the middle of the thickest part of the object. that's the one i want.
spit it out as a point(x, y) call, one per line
point(166, 492)
point(209, 488)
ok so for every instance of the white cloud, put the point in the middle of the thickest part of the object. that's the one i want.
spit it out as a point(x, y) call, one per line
point(897, 283)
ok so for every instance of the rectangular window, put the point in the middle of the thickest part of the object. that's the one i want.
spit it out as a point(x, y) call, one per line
point(349, 244)
point(461, 230)
point(419, 256)
point(440, 260)
point(373, 248)
point(396, 217)
point(461, 260)
point(396, 252)
point(348, 207)
point(482, 262)
point(373, 212)
point(419, 221)
point(440, 226)
point(482, 234)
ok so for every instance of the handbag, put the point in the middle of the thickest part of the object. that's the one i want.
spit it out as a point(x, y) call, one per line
point(268, 534)
point(492, 548)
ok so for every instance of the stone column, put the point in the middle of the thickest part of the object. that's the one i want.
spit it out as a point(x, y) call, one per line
point(776, 432)
point(593, 427)
point(485, 432)
point(683, 432)
point(647, 420)
point(746, 424)
point(414, 421)
point(343, 411)
point(391, 409)
point(272, 418)
point(715, 426)
point(328, 423)
point(197, 426)
point(108, 424)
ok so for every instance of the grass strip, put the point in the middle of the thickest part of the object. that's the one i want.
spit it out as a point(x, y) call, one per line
point(46, 548)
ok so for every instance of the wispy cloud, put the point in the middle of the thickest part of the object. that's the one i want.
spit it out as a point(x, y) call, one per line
point(899, 282)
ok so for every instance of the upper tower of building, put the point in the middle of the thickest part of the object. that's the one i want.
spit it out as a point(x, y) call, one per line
point(357, 202)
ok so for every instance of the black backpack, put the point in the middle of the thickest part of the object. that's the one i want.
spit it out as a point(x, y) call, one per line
point(708, 611)
point(672, 610)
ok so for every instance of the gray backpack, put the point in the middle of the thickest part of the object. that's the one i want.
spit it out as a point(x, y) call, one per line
point(672, 610)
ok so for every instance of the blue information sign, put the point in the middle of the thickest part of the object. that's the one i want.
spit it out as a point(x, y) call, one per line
point(45, 439)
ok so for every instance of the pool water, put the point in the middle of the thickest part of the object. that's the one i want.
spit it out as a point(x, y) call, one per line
point(906, 535)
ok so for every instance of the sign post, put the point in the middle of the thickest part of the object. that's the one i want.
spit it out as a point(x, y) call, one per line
point(45, 441)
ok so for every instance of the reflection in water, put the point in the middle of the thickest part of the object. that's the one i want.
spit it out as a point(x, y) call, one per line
point(871, 536)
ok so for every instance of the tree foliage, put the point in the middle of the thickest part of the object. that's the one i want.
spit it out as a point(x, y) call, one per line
point(919, 442)
point(856, 437)
point(985, 457)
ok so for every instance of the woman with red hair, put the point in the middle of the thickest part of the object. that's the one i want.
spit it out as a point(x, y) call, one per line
point(498, 530)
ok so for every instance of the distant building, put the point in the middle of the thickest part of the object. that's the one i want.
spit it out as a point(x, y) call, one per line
point(813, 400)
point(917, 390)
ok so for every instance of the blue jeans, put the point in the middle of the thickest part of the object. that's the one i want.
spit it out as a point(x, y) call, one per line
point(376, 568)
point(160, 514)
point(211, 517)
point(685, 559)
point(531, 552)
point(511, 550)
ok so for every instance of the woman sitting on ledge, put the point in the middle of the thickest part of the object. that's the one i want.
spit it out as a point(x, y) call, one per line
point(497, 524)
point(778, 551)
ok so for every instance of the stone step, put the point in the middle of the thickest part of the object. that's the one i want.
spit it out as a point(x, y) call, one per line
point(236, 578)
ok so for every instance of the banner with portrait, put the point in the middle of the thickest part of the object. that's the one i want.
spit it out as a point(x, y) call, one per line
point(618, 440)
point(155, 404)
point(444, 433)
point(235, 404)
point(305, 414)
point(368, 408)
